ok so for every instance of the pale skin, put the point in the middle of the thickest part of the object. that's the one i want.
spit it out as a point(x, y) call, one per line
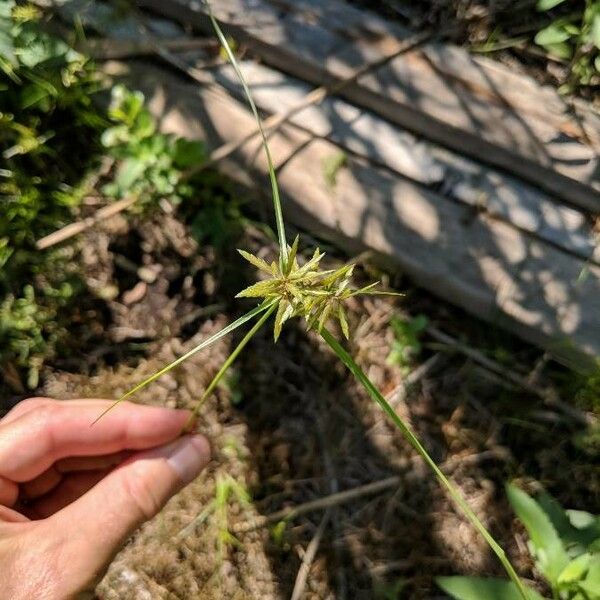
point(71, 494)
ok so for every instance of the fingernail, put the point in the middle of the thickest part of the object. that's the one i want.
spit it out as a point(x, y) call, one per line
point(188, 456)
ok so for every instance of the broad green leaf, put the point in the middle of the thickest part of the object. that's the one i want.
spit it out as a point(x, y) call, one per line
point(553, 34)
point(129, 171)
point(187, 153)
point(548, 4)
point(479, 588)
point(575, 570)
point(577, 529)
point(562, 50)
point(6, 8)
point(595, 31)
point(549, 550)
point(7, 49)
point(597, 63)
point(580, 519)
point(591, 584)
point(31, 94)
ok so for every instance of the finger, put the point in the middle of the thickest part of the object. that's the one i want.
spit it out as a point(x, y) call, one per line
point(51, 477)
point(41, 485)
point(7, 515)
point(9, 492)
point(31, 404)
point(62, 428)
point(92, 529)
point(71, 487)
point(90, 463)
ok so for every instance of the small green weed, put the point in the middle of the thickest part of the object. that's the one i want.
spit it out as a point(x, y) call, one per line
point(574, 37)
point(390, 591)
point(150, 163)
point(407, 340)
point(331, 167)
point(48, 137)
point(53, 137)
point(564, 543)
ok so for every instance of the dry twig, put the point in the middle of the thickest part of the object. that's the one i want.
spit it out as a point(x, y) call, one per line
point(309, 557)
point(375, 487)
point(549, 396)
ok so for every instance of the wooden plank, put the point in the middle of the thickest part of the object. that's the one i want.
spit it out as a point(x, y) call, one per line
point(408, 91)
point(489, 267)
point(367, 135)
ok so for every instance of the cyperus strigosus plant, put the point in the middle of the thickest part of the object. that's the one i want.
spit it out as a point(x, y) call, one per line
point(316, 295)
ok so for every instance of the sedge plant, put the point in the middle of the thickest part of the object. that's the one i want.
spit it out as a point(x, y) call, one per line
point(290, 290)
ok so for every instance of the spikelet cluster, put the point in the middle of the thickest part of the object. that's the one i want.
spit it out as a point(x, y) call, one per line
point(304, 291)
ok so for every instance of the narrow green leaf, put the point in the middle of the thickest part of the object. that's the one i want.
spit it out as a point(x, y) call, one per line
point(292, 255)
point(416, 444)
point(479, 588)
point(211, 340)
point(227, 364)
point(343, 322)
point(280, 318)
point(549, 550)
point(274, 186)
point(257, 290)
point(259, 263)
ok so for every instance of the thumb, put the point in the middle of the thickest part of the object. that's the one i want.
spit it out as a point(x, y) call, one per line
point(92, 529)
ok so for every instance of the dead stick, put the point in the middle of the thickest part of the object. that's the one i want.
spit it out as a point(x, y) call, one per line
point(116, 48)
point(547, 396)
point(364, 490)
point(309, 557)
point(78, 227)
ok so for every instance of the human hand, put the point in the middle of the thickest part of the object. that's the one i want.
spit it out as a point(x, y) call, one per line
point(71, 494)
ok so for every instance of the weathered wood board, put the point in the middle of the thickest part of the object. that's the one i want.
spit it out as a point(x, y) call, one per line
point(366, 134)
point(488, 266)
point(438, 92)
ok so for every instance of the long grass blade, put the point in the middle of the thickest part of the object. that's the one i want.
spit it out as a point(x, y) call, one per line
point(283, 249)
point(211, 340)
point(416, 444)
point(225, 366)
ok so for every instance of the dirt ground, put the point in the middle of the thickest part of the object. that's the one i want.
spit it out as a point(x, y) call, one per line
point(291, 427)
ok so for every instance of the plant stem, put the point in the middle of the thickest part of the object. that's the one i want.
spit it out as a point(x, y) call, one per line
point(225, 366)
point(283, 249)
point(416, 444)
